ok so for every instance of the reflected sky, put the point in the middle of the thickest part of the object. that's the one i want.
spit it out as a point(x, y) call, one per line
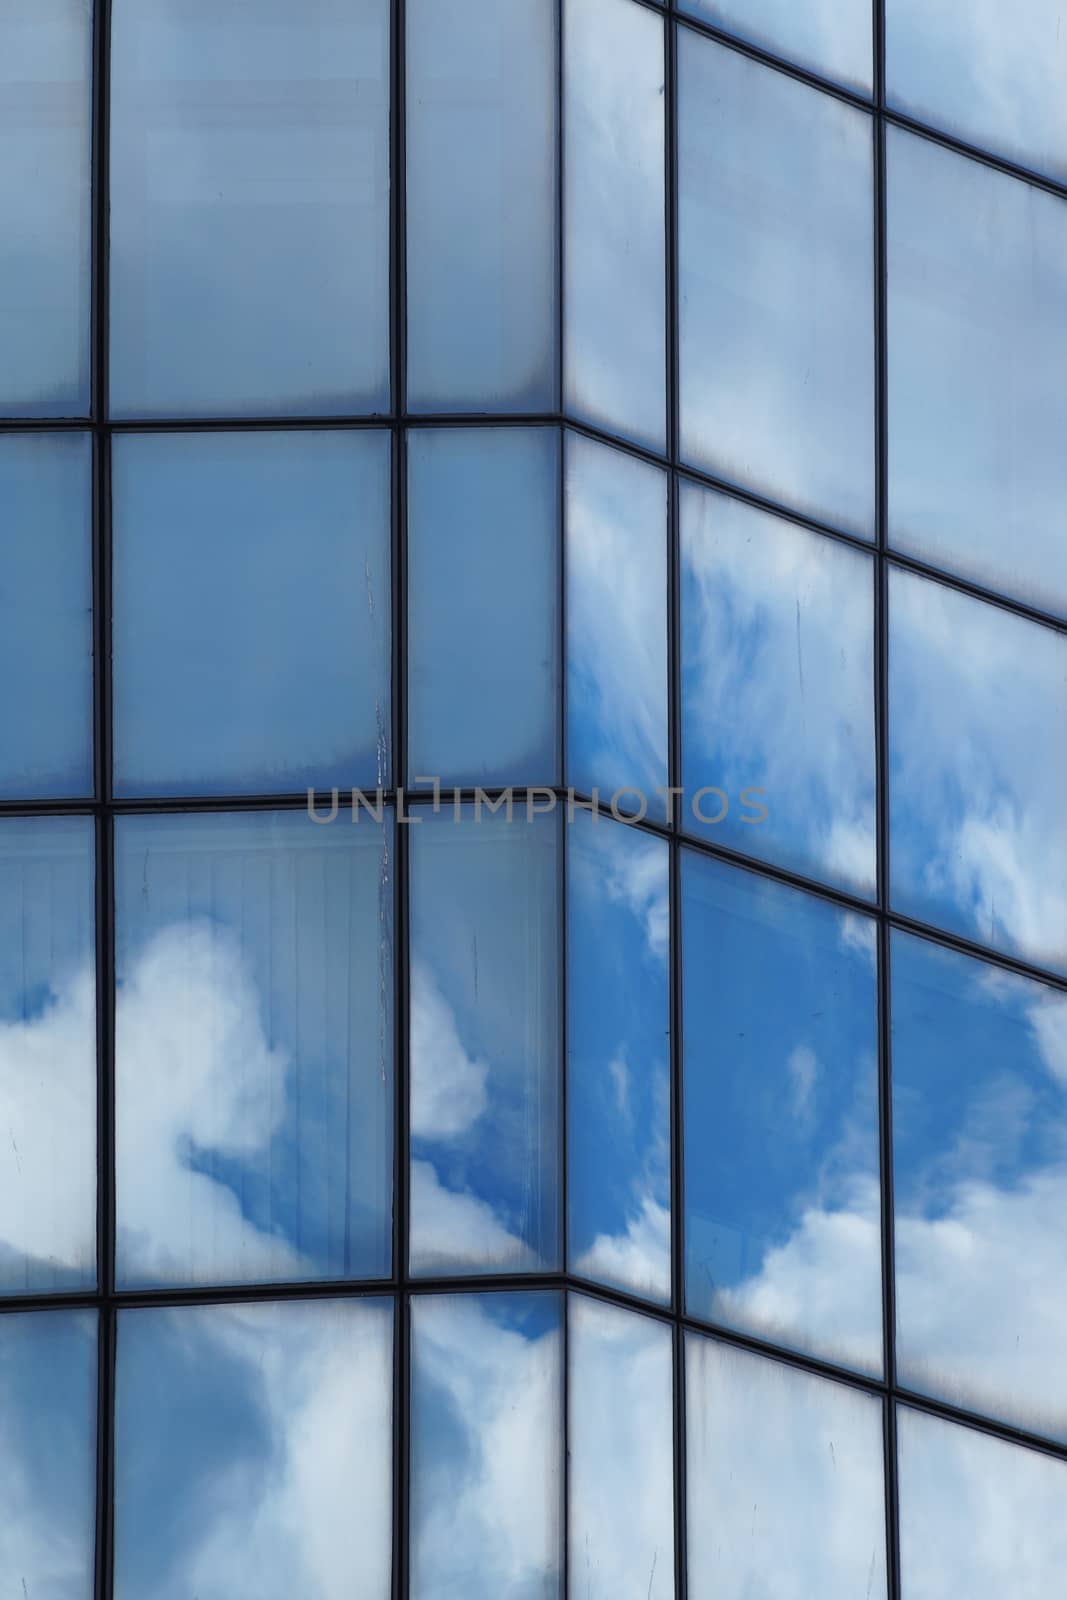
point(276, 1479)
point(615, 513)
point(978, 1517)
point(776, 253)
point(46, 641)
point(781, 1115)
point(977, 276)
point(482, 269)
point(483, 605)
point(784, 1481)
point(614, 221)
point(47, 1056)
point(48, 1384)
point(620, 1454)
point(252, 612)
point(980, 1185)
point(249, 170)
point(777, 689)
point(485, 1042)
point(486, 1447)
point(832, 37)
point(618, 1056)
point(253, 1048)
point(45, 72)
point(978, 770)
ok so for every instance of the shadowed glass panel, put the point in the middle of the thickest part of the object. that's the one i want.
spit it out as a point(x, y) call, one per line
point(831, 37)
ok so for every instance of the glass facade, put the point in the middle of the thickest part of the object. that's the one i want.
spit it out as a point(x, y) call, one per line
point(533, 745)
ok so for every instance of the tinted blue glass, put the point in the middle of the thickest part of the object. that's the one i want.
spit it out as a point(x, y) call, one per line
point(780, 1060)
point(832, 37)
point(46, 621)
point(48, 1383)
point(485, 1041)
point(784, 1483)
point(777, 690)
point(616, 553)
point(614, 229)
point(978, 770)
point(482, 250)
point(47, 1056)
point(253, 1048)
point(980, 1185)
point(977, 278)
point(775, 252)
point(618, 1056)
point(483, 605)
point(486, 1446)
point(249, 207)
point(45, 82)
point(276, 1478)
point(252, 613)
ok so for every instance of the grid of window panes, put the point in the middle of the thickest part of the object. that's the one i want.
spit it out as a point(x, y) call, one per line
point(622, 1149)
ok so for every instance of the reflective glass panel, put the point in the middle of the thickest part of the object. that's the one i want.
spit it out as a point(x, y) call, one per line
point(777, 690)
point(991, 74)
point(482, 249)
point(616, 553)
point(784, 1481)
point(252, 612)
point(977, 277)
point(620, 1452)
point(45, 115)
point(253, 1054)
point(483, 605)
point(618, 1056)
point(978, 1516)
point(614, 229)
point(775, 253)
point(780, 1054)
point(485, 1040)
point(276, 1476)
point(831, 37)
point(47, 1057)
point(486, 1447)
point(249, 207)
point(980, 1185)
point(46, 615)
point(978, 770)
point(48, 1386)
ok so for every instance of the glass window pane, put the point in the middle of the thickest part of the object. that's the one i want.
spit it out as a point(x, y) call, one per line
point(978, 770)
point(614, 228)
point(485, 1041)
point(47, 1055)
point(832, 37)
point(621, 1453)
point(990, 74)
point(482, 249)
point(276, 1476)
point(45, 81)
point(252, 612)
point(249, 207)
point(782, 1222)
point(978, 1516)
point(784, 1480)
point(486, 1446)
point(977, 351)
point(46, 615)
point(776, 252)
point(253, 1048)
point(980, 1185)
point(483, 605)
point(618, 1056)
point(48, 1386)
point(777, 690)
point(616, 552)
